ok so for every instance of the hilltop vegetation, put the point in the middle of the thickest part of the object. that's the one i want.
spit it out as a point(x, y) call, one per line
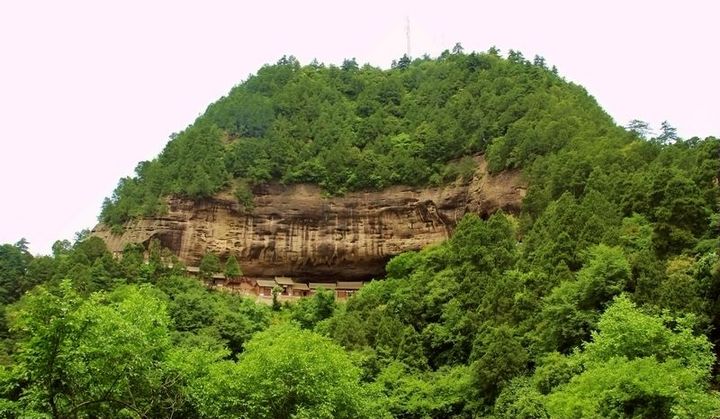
point(349, 128)
point(600, 299)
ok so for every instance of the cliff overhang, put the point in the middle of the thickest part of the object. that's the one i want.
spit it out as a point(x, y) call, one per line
point(297, 231)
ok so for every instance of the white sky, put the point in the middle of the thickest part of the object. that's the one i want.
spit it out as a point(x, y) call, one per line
point(90, 88)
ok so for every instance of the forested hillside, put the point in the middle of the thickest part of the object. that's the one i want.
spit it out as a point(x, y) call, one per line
point(350, 128)
point(600, 299)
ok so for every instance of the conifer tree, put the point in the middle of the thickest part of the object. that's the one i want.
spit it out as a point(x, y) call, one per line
point(232, 268)
point(209, 265)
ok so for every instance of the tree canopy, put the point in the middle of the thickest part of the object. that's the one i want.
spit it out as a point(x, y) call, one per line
point(599, 298)
point(350, 128)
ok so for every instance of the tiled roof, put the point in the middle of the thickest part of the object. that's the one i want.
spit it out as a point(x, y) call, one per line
point(327, 286)
point(350, 285)
point(269, 283)
point(283, 280)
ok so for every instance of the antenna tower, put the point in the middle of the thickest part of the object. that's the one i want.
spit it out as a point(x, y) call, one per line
point(407, 35)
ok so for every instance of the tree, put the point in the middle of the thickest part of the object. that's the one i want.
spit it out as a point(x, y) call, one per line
point(13, 266)
point(572, 309)
point(155, 257)
point(99, 357)
point(636, 366)
point(520, 400)
point(232, 268)
point(499, 356)
point(488, 245)
point(679, 291)
point(287, 372)
point(349, 64)
point(668, 133)
point(81, 235)
point(439, 394)
point(516, 57)
point(226, 318)
point(61, 247)
point(681, 214)
point(639, 128)
point(244, 194)
point(403, 62)
point(22, 244)
point(209, 265)
point(276, 291)
point(309, 311)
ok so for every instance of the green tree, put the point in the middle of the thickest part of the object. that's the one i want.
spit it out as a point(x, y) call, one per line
point(232, 268)
point(14, 262)
point(636, 366)
point(209, 265)
point(668, 133)
point(442, 393)
point(22, 244)
point(276, 291)
point(309, 312)
point(572, 309)
point(287, 372)
point(226, 318)
point(499, 357)
point(639, 128)
point(244, 194)
point(520, 400)
point(458, 48)
point(94, 357)
point(61, 247)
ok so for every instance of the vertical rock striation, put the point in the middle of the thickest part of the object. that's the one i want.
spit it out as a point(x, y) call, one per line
point(296, 231)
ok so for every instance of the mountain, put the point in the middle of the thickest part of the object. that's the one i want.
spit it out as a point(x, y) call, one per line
point(361, 135)
point(553, 264)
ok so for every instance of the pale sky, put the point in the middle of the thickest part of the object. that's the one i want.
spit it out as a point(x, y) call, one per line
point(90, 88)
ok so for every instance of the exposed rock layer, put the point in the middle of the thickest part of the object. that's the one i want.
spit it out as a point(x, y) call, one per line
point(296, 231)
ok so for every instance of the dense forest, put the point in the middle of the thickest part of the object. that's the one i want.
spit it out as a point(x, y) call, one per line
point(600, 299)
point(351, 128)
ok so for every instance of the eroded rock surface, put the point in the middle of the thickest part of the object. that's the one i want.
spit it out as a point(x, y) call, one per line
point(296, 231)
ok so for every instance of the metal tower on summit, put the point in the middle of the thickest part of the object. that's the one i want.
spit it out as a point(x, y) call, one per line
point(407, 35)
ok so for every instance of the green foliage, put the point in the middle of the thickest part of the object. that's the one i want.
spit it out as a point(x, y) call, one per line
point(242, 113)
point(571, 310)
point(209, 265)
point(90, 357)
point(287, 372)
point(232, 267)
point(636, 366)
point(441, 393)
point(600, 299)
point(592, 230)
point(520, 400)
point(349, 128)
point(498, 356)
point(275, 298)
point(13, 265)
point(191, 165)
point(309, 312)
point(244, 195)
point(226, 318)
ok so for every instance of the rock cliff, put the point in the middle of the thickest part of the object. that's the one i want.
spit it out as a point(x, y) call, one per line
point(296, 231)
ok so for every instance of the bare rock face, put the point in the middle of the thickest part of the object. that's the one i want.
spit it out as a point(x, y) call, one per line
point(296, 231)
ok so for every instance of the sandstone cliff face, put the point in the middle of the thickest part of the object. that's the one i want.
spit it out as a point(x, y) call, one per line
point(296, 231)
